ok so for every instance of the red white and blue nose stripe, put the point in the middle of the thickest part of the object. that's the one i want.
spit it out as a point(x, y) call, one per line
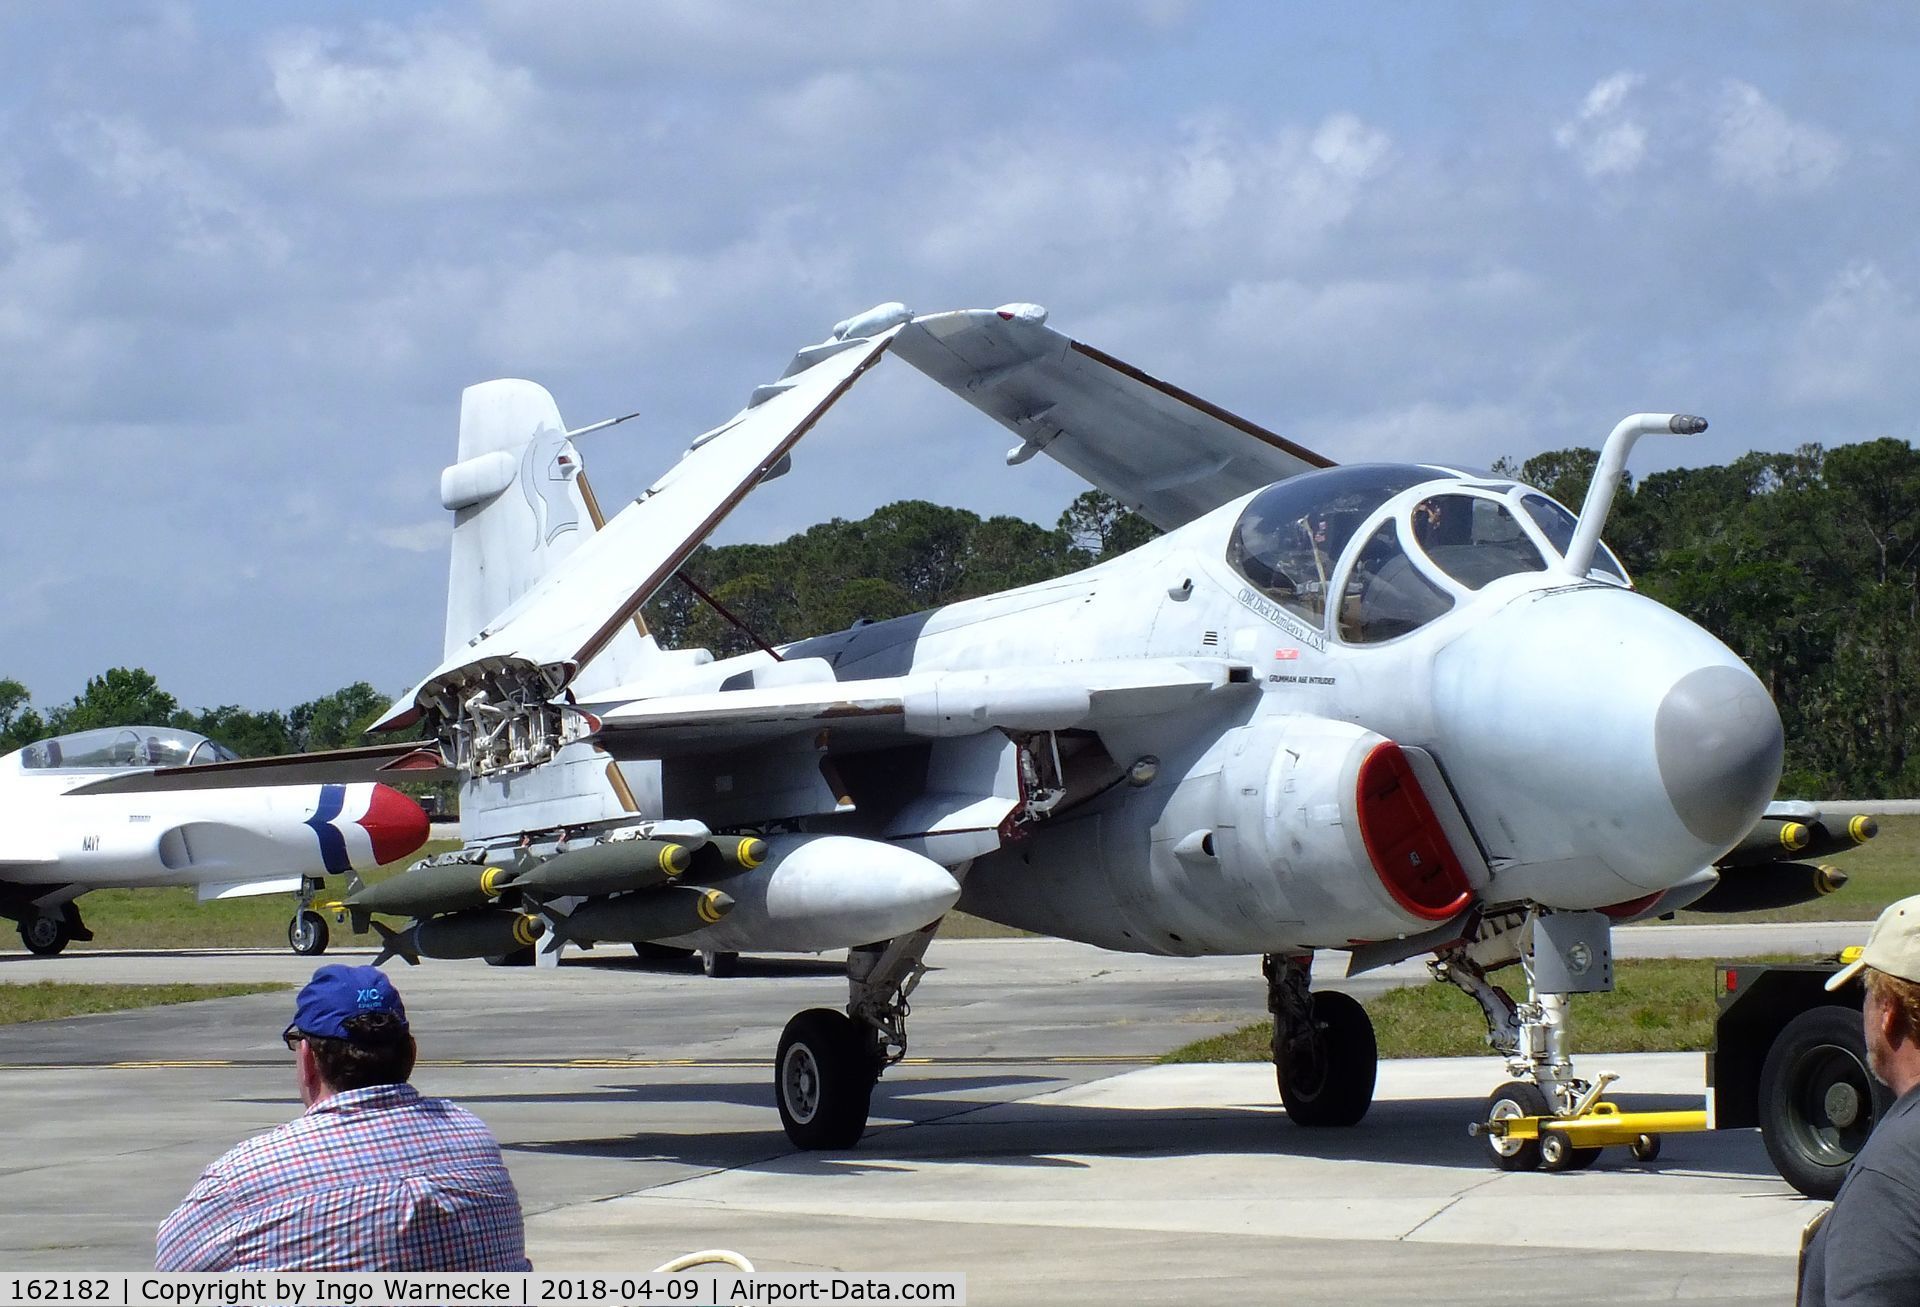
point(362, 826)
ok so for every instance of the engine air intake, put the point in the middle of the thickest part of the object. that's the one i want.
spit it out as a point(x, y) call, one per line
point(1405, 841)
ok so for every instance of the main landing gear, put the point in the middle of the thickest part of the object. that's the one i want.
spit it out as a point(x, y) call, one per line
point(1324, 1055)
point(47, 932)
point(828, 1062)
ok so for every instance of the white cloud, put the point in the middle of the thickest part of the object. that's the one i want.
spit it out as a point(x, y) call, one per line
point(205, 213)
point(1757, 146)
point(746, 41)
point(1605, 137)
point(1217, 195)
point(1857, 343)
point(1471, 433)
point(399, 113)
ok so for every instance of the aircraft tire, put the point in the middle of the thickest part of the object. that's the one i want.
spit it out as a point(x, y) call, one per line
point(45, 936)
point(718, 963)
point(823, 1078)
point(1516, 1098)
point(307, 934)
point(1818, 1100)
point(1335, 1088)
point(520, 957)
point(650, 952)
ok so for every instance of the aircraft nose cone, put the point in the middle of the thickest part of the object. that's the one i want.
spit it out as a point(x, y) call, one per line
point(1719, 744)
point(394, 823)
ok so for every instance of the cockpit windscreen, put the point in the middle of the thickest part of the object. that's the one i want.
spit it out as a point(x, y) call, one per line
point(1557, 524)
point(1291, 534)
point(1474, 540)
point(123, 746)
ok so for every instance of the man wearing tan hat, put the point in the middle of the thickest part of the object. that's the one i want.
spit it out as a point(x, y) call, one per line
point(1868, 1250)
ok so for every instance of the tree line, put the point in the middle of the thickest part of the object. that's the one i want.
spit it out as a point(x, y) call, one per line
point(131, 696)
point(1806, 564)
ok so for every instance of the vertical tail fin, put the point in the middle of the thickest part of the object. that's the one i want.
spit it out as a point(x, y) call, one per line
point(521, 505)
point(516, 509)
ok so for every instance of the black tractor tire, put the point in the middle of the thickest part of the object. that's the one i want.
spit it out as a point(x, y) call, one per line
point(1818, 1100)
point(307, 934)
point(1328, 1081)
point(45, 936)
point(1516, 1098)
point(823, 1077)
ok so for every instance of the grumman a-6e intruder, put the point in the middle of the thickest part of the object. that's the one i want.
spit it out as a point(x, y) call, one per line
point(1389, 710)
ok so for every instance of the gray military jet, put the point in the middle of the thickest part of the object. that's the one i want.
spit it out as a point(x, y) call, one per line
point(1387, 710)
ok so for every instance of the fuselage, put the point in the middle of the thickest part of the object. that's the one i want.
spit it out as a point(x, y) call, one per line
point(223, 842)
point(1601, 747)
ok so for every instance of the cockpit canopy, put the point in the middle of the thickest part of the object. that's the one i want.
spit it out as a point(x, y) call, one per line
point(115, 747)
point(1397, 544)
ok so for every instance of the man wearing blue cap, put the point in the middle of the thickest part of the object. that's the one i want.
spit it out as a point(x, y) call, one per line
point(1868, 1249)
point(372, 1177)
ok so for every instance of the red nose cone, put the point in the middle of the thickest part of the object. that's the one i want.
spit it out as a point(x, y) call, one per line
point(396, 824)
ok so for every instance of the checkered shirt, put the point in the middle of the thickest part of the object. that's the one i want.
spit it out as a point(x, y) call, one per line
point(375, 1179)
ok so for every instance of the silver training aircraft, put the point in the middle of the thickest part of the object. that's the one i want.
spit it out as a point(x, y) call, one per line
point(1389, 710)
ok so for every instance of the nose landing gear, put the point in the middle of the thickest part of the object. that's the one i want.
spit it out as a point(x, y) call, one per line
point(1546, 1117)
point(307, 933)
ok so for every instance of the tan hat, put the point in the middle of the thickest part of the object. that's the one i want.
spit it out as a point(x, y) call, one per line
point(1892, 947)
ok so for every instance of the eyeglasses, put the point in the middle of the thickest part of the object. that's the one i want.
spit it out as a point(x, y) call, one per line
point(294, 1037)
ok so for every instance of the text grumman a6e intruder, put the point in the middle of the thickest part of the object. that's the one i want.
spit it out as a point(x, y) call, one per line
point(58, 841)
point(1390, 710)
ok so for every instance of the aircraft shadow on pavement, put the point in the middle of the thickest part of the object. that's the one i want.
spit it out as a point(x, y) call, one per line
point(1023, 1132)
point(742, 1093)
point(746, 968)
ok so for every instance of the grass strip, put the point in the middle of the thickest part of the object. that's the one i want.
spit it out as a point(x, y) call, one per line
point(46, 1000)
point(1658, 1005)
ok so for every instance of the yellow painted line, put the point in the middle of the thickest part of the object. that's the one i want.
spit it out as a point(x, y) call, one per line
point(588, 1063)
point(170, 1064)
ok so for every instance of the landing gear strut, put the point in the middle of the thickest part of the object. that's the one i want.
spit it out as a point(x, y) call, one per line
point(307, 932)
point(828, 1062)
point(1560, 954)
point(1324, 1055)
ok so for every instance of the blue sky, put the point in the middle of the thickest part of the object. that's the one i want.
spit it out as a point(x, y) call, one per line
point(249, 255)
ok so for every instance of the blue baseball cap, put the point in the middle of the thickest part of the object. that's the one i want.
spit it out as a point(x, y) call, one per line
point(338, 992)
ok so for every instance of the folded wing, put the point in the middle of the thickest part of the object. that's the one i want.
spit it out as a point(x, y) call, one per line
point(1169, 455)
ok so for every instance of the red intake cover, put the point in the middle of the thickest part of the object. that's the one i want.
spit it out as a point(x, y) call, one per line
point(1405, 841)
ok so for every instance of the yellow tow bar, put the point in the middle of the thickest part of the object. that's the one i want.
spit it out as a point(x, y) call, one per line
point(1565, 1143)
point(1602, 1126)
